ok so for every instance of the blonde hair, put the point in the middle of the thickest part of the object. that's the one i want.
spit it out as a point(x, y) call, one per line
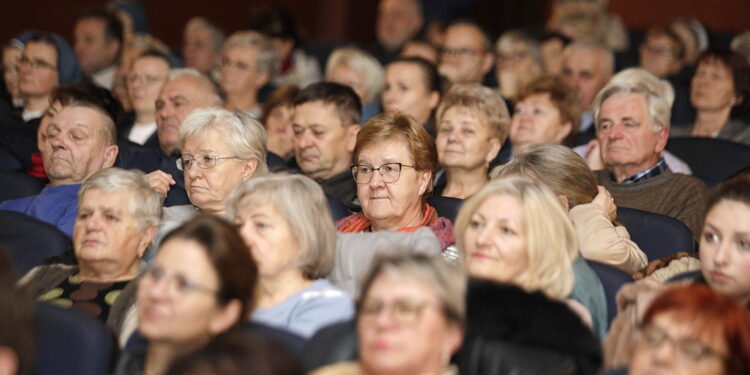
point(266, 60)
point(363, 63)
point(551, 244)
point(302, 203)
point(558, 167)
point(484, 101)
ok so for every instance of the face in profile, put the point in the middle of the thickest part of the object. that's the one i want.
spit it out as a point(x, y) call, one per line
point(725, 249)
point(537, 121)
point(402, 328)
point(464, 140)
point(495, 240)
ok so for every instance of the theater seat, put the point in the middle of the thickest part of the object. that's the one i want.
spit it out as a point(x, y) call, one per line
point(30, 241)
point(657, 235)
point(612, 279)
point(446, 207)
point(69, 342)
point(338, 209)
point(18, 185)
point(332, 344)
point(712, 160)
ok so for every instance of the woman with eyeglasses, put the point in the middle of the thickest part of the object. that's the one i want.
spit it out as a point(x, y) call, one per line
point(519, 61)
point(248, 62)
point(201, 283)
point(394, 168)
point(693, 330)
point(409, 319)
point(287, 226)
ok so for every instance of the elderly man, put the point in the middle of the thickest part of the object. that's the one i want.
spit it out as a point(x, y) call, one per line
point(325, 125)
point(78, 141)
point(98, 43)
point(467, 55)
point(586, 69)
point(201, 45)
point(398, 21)
point(248, 62)
point(632, 127)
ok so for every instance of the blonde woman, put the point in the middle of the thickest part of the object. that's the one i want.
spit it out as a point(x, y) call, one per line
point(359, 70)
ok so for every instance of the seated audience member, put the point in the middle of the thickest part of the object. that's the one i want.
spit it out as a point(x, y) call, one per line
point(466, 55)
point(277, 118)
point(248, 62)
point(133, 49)
point(117, 217)
point(11, 57)
point(420, 47)
point(357, 69)
point(551, 46)
point(201, 283)
point(412, 85)
point(590, 207)
point(238, 352)
point(724, 267)
point(472, 124)
point(546, 112)
point(395, 198)
point(325, 125)
point(719, 92)
point(662, 52)
point(294, 66)
point(185, 91)
point(504, 232)
point(98, 42)
point(415, 304)
point(519, 61)
point(286, 224)
point(201, 46)
point(635, 76)
point(147, 75)
point(632, 122)
point(397, 22)
point(220, 149)
point(79, 141)
point(707, 333)
point(588, 20)
point(17, 324)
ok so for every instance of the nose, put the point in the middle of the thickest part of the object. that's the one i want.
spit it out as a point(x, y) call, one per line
point(93, 223)
point(158, 289)
point(615, 132)
point(305, 140)
point(56, 141)
point(722, 253)
point(483, 237)
point(384, 317)
point(164, 112)
point(376, 181)
point(193, 171)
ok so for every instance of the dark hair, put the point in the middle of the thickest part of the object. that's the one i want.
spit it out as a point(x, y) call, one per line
point(343, 98)
point(16, 317)
point(666, 31)
point(561, 96)
point(281, 97)
point(554, 35)
point(112, 25)
point(229, 256)
point(430, 75)
point(151, 52)
point(97, 98)
point(736, 188)
point(68, 70)
point(239, 352)
point(275, 22)
point(739, 68)
point(713, 313)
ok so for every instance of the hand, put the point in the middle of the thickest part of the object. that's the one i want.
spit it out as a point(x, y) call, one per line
point(594, 156)
point(160, 181)
point(606, 202)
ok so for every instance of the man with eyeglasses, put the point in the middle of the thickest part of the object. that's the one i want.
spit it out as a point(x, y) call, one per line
point(147, 76)
point(466, 55)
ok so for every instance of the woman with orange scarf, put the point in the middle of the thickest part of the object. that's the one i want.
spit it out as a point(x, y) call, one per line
point(394, 167)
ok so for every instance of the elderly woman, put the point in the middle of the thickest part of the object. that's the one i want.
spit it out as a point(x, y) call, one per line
point(412, 85)
point(200, 284)
point(359, 70)
point(724, 267)
point(472, 124)
point(515, 231)
point(410, 317)
point(287, 226)
point(277, 119)
point(395, 198)
point(547, 112)
point(248, 62)
point(220, 149)
point(708, 333)
point(590, 207)
point(117, 217)
point(519, 61)
point(719, 89)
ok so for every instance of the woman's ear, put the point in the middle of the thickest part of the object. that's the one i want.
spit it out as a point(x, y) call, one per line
point(563, 132)
point(424, 181)
point(248, 168)
point(495, 146)
point(564, 201)
point(225, 317)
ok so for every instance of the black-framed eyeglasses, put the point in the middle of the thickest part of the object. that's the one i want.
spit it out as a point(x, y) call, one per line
point(389, 172)
point(688, 348)
point(36, 63)
point(460, 51)
point(177, 285)
point(402, 310)
point(203, 161)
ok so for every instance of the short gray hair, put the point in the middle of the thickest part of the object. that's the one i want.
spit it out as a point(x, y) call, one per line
point(513, 37)
point(608, 57)
point(640, 75)
point(659, 109)
point(301, 201)
point(267, 60)
point(145, 202)
point(363, 63)
point(244, 135)
point(217, 35)
point(206, 84)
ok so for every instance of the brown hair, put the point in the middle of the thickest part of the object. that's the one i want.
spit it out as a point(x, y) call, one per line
point(484, 101)
point(562, 97)
point(389, 126)
point(282, 97)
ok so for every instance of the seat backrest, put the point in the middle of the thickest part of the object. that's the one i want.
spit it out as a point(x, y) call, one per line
point(30, 241)
point(18, 185)
point(69, 342)
point(332, 344)
point(712, 160)
point(338, 209)
point(612, 279)
point(446, 207)
point(657, 235)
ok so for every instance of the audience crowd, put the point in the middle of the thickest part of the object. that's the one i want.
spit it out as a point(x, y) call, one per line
point(442, 201)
